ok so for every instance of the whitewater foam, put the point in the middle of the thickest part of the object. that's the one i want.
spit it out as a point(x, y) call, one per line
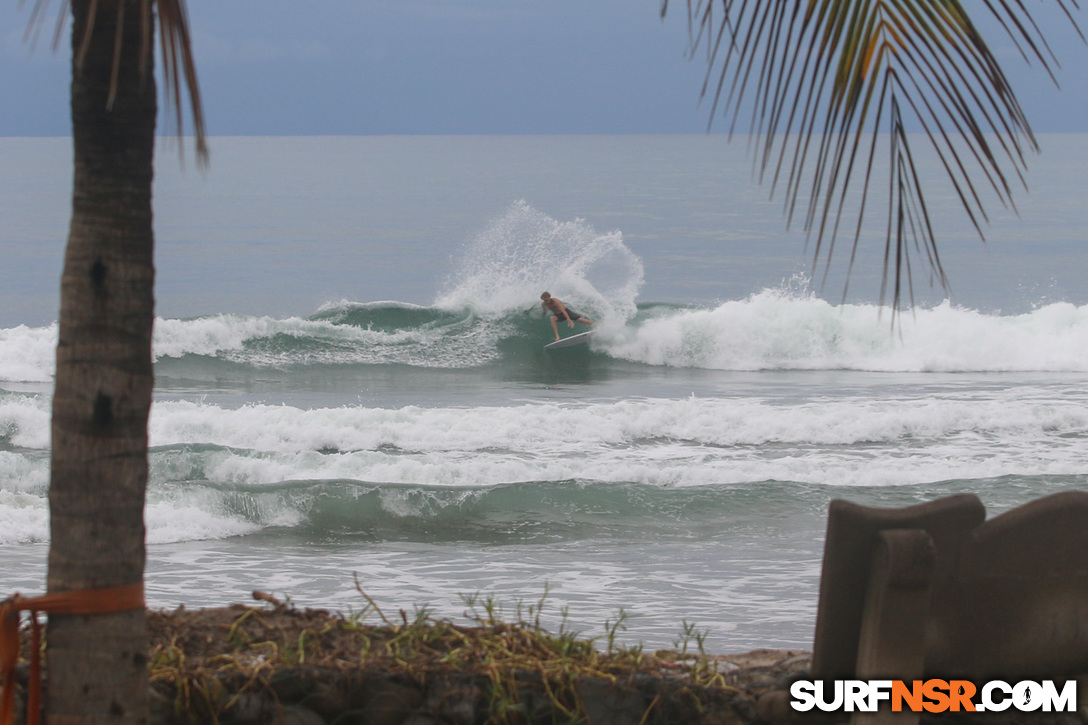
point(779, 330)
point(504, 269)
point(28, 354)
point(219, 472)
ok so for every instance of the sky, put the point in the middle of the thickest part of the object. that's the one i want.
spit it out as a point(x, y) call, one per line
point(372, 67)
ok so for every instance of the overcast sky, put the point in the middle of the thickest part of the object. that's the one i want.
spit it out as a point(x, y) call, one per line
point(284, 67)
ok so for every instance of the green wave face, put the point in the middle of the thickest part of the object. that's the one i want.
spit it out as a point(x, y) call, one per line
point(542, 512)
point(525, 512)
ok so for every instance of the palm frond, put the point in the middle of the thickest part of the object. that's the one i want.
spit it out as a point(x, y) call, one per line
point(822, 79)
point(177, 56)
point(179, 69)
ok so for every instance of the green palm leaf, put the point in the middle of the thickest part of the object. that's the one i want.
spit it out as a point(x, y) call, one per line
point(825, 80)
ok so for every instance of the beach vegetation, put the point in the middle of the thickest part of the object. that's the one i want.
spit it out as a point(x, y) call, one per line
point(208, 665)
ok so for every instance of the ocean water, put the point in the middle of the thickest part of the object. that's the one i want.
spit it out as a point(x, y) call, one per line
point(350, 380)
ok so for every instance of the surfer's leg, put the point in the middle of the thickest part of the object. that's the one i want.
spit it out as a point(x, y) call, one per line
point(586, 321)
point(555, 328)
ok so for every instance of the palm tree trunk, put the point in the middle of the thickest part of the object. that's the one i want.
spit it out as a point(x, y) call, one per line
point(97, 665)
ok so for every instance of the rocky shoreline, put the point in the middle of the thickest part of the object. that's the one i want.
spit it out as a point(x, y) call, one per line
point(251, 665)
point(273, 663)
point(318, 696)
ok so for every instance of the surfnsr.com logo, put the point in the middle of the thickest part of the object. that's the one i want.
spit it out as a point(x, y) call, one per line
point(934, 695)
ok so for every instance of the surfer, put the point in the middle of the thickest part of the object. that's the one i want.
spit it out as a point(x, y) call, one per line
point(558, 309)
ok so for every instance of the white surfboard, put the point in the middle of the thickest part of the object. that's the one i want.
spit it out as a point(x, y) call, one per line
point(580, 339)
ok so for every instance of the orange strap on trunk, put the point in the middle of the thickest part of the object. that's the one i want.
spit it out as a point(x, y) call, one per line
point(108, 600)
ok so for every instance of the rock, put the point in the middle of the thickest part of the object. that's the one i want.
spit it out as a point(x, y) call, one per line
point(774, 707)
point(327, 699)
point(250, 708)
point(350, 717)
point(293, 684)
point(421, 719)
point(298, 715)
point(456, 698)
point(388, 702)
point(607, 703)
